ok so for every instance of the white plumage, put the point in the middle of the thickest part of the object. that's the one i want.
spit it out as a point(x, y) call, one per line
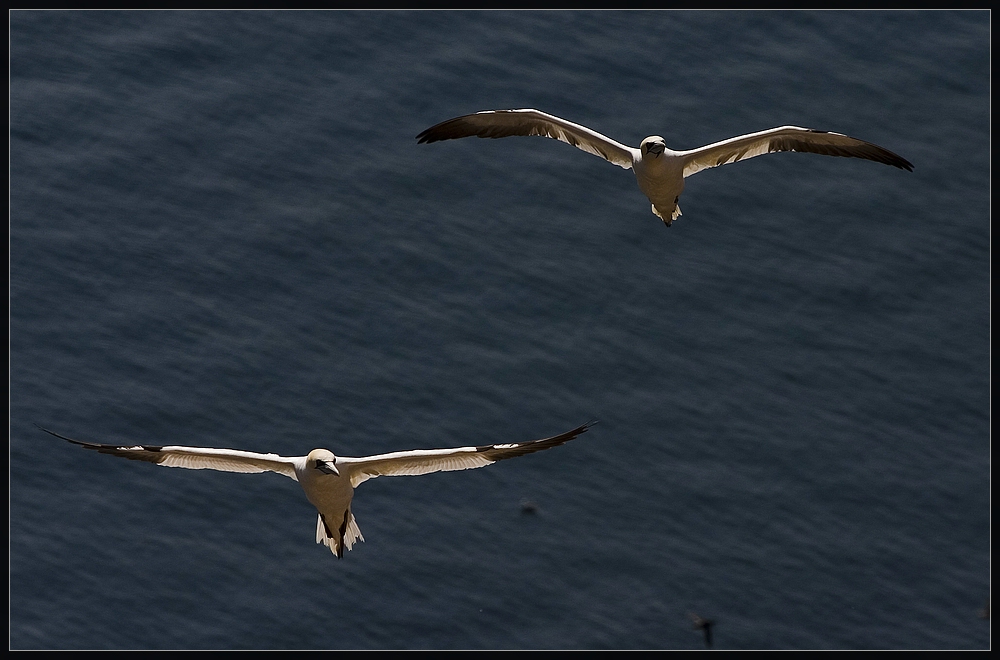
point(328, 480)
point(659, 171)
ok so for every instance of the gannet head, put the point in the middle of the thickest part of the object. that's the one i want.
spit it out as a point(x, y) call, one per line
point(322, 460)
point(654, 145)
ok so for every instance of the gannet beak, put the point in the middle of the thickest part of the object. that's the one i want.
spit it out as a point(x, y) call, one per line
point(327, 467)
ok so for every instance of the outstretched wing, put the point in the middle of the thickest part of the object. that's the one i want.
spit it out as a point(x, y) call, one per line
point(505, 123)
point(424, 461)
point(194, 458)
point(787, 138)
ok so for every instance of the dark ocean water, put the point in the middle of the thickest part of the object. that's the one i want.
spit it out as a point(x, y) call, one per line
point(223, 233)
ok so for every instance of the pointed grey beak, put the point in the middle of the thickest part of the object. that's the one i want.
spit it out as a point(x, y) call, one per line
point(327, 467)
point(656, 148)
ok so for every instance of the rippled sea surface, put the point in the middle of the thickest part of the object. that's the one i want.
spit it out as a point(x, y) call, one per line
point(223, 233)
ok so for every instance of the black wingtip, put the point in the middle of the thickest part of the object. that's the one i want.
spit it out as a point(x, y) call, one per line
point(424, 136)
point(898, 161)
point(87, 445)
point(583, 428)
point(56, 434)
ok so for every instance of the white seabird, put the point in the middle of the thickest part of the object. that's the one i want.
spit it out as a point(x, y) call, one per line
point(328, 480)
point(659, 171)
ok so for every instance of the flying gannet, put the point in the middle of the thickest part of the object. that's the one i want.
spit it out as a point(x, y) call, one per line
point(659, 171)
point(328, 480)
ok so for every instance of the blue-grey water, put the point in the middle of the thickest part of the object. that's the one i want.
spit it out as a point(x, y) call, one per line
point(223, 233)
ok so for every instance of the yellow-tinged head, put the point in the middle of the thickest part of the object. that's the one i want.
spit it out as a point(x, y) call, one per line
point(322, 460)
point(654, 145)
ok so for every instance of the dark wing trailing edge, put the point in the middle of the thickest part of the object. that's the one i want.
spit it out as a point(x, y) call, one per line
point(860, 149)
point(474, 126)
point(527, 122)
point(501, 123)
point(499, 452)
point(148, 453)
point(194, 458)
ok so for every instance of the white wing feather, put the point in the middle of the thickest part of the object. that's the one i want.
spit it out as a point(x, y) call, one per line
point(195, 458)
point(425, 461)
